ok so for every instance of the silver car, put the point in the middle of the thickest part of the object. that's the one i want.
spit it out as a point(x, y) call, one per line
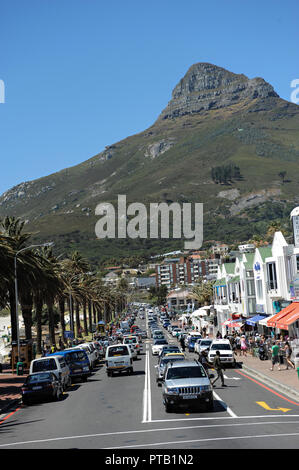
point(161, 366)
point(186, 383)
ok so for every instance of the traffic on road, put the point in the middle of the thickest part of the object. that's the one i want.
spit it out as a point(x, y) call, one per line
point(148, 383)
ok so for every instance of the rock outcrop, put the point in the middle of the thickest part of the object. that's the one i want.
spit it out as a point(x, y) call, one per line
point(206, 86)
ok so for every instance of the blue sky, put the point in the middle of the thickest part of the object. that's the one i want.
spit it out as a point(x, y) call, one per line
point(83, 74)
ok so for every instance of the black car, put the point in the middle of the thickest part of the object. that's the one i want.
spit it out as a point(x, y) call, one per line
point(41, 386)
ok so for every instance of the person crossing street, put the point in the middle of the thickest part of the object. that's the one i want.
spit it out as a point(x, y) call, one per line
point(218, 368)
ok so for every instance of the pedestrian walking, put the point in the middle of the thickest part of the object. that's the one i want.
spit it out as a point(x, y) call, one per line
point(275, 355)
point(218, 368)
point(182, 343)
point(238, 344)
point(243, 346)
point(288, 352)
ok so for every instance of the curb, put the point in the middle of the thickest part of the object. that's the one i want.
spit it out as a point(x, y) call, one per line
point(10, 405)
point(278, 385)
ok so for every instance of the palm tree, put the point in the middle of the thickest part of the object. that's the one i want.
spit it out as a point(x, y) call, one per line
point(203, 292)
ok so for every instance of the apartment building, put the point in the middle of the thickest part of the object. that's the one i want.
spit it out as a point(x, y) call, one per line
point(185, 270)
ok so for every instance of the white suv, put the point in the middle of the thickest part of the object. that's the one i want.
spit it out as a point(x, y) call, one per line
point(226, 352)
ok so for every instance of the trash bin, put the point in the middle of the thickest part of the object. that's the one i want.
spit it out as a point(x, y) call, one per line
point(296, 361)
point(298, 372)
point(20, 368)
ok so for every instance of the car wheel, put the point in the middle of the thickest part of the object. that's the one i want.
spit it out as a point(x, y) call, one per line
point(210, 406)
point(168, 408)
point(84, 378)
point(25, 402)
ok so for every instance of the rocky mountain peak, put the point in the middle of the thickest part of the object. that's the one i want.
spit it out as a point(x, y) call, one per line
point(206, 86)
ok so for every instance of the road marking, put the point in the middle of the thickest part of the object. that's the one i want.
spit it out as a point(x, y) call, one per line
point(140, 431)
point(147, 398)
point(231, 378)
point(268, 388)
point(267, 407)
point(230, 412)
point(213, 439)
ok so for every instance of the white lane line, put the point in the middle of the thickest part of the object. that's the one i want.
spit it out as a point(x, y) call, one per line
point(149, 398)
point(145, 391)
point(158, 444)
point(139, 431)
point(227, 408)
point(218, 418)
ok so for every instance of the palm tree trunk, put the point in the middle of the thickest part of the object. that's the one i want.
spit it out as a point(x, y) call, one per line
point(90, 316)
point(85, 318)
point(13, 320)
point(51, 323)
point(38, 315)
point(62, 311)
point(78, 326)
point(71, 312)
point(26, 301)
point(94, 314)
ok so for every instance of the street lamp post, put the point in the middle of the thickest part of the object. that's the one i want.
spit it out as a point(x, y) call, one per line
point(16, 288)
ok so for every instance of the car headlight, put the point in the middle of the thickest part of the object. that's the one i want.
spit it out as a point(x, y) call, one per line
point(85, 368)
point(172, 391)
point(206, 388)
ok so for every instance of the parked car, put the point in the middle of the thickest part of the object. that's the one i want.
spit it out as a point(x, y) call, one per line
point(160, 367)
point(187, 383)
point(226, 353)
point(119, 359)
point(54, 364)
point(202, 344)
point(77, 361)
point(41, 386)
point(91, 353)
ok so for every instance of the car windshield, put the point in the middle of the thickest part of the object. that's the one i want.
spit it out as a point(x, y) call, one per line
point(160, 341)
point(169, 350)
point(118, 351)
point(44, 377)
point(205, 343)
point(186, 372)
point(44, 364)
point(193, 338)
point(75, 356)
point(221, 347)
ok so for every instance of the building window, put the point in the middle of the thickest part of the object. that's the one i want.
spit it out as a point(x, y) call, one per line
point(250, 288)
point(259, 290)
point(272, 278)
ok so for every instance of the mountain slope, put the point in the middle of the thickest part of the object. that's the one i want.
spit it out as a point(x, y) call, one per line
point(214, 118)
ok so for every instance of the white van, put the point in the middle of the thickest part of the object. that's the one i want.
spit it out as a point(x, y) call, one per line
point(55, 364)
point(225, 349)
point(118, 359)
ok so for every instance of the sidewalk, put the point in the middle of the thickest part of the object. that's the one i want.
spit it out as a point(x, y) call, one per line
point(285, 381)
point(10, 388)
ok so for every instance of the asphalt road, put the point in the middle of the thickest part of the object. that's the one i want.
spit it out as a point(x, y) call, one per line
point(126, 412)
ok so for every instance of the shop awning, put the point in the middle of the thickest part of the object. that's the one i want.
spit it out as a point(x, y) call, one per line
point(272, 322)
point(232, 323)
point(290, 318)
point(265, 319)
point(253, 320)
